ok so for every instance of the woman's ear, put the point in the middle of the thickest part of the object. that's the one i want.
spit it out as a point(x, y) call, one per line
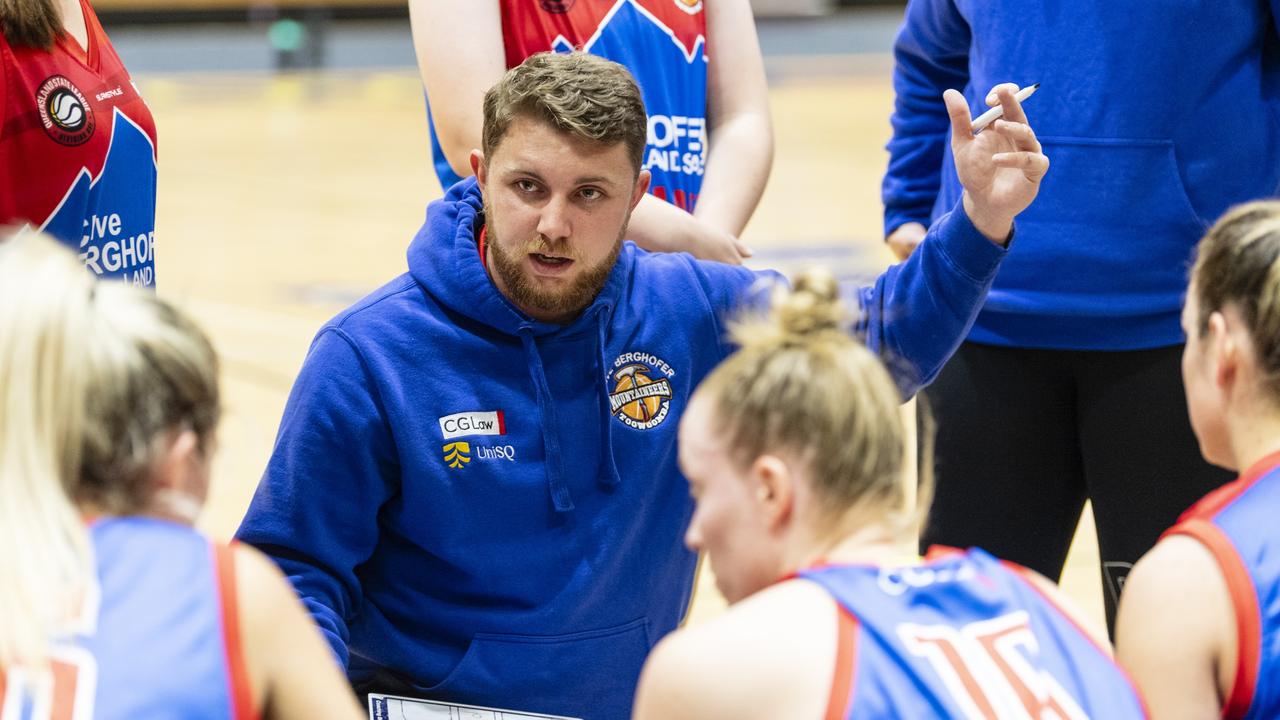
point(1224, 350)
point(773, 486)
point(181, 456)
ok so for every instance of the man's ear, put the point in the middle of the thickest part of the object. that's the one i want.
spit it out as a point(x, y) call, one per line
point(479, 169)
point(773, 486)
point(642, 187)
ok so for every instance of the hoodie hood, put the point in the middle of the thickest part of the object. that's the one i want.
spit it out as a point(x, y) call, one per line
point(445, 260)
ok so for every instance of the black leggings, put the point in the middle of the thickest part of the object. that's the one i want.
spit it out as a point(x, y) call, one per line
point(1024, 436)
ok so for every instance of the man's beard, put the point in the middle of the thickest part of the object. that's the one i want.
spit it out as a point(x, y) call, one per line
point(563, 304)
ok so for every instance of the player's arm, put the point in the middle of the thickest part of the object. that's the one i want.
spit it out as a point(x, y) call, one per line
point(739, 123)
point(918, 312)
point(460, 56)
point(931, 54)
point(1175, 630)
point(290, 670)
point(334, 465)
point(772, 655)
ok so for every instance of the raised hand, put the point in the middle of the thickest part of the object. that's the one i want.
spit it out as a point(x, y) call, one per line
point(1001, 167)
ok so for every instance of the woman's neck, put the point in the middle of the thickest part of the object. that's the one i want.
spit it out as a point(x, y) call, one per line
point(73, 22)
point(1253, 437)
point(874, 544)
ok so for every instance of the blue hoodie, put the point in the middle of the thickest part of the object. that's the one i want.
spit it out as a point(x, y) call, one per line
point(1156, 117)
point(487, 508)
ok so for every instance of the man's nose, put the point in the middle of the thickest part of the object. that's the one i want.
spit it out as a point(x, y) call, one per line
point(554, 222)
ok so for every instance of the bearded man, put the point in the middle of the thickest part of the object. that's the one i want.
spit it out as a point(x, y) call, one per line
point(474, 489)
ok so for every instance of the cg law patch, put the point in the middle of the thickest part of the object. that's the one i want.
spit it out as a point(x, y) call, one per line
point(641, 395)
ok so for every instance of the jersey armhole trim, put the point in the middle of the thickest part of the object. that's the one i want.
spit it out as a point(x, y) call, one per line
point(1244, 601)
point(841, 699)
point(1024, 575)
point(237, 673)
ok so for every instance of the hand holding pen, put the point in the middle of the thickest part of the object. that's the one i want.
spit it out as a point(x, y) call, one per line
point(997, 112)
point(1001, 169)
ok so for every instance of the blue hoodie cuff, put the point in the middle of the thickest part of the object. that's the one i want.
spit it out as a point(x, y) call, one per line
point(969, 250)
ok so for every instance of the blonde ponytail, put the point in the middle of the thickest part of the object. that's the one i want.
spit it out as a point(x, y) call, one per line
point(45, 314)
point(801, 384)
point(94, 379)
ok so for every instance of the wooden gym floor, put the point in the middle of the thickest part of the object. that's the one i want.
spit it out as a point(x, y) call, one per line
point(283, 198)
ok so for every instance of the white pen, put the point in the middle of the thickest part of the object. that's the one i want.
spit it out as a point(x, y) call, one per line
point(990, 116)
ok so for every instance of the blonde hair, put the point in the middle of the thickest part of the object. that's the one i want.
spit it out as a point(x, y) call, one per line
point(1238, 263)
point(577, 93)
point(94, 378)
point(801, 385)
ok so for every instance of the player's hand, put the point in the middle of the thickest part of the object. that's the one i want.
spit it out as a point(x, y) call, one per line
point(1001, 167)
point(904, 239)
point(719, 246)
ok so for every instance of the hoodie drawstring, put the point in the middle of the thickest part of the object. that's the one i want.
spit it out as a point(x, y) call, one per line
point(610, 479)
point(560, 496)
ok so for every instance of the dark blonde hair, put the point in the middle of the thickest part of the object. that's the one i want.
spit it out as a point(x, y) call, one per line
point(1238, 264)
point(802, 385)
point(30, 23)
point(94, 379)
point(577, 93)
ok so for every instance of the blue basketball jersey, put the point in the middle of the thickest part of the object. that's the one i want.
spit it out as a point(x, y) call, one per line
point(157, 638)
point(963, 636)
point(1237, 524)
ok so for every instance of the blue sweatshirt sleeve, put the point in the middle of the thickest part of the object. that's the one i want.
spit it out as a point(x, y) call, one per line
point(315, 511)
point(931, 54)
point(917, 313)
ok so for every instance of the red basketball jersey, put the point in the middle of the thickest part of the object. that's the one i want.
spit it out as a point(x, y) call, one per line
point(77, 152)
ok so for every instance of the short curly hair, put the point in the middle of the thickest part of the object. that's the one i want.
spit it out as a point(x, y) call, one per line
point(577, 93)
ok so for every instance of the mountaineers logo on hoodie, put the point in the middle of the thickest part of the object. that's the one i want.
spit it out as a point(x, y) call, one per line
point(641, 395)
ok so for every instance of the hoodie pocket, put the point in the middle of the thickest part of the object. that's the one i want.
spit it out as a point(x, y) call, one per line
point(1116, 180)
point(1110, 233)
point(590, 675)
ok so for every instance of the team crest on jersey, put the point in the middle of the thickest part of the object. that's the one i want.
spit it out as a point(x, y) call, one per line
point(64, 112)
point(641, 395)
point(692, 7)
point(557, 6)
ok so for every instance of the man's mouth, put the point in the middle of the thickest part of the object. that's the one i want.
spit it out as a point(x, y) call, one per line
point(550, 262)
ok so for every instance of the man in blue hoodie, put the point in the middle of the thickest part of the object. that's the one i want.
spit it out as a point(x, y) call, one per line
point(474, 488)
point(1159, 116)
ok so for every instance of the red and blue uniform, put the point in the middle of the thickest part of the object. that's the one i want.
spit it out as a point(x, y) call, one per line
point(77, 152)
point(158, 636)
point(662, 43)
point(963, 636)
point(1236, 523)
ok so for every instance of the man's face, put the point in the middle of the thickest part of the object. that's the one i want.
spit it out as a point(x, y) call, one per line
point(727, 522)
point(556, 208)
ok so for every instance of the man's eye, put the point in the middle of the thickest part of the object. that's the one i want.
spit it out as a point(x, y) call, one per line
point(591, 193)
point(527, 185)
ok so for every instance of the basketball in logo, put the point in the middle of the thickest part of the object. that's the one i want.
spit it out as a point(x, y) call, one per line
point(638, 400)
point(64, 112)
point(557, 6)
point(642, 409)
